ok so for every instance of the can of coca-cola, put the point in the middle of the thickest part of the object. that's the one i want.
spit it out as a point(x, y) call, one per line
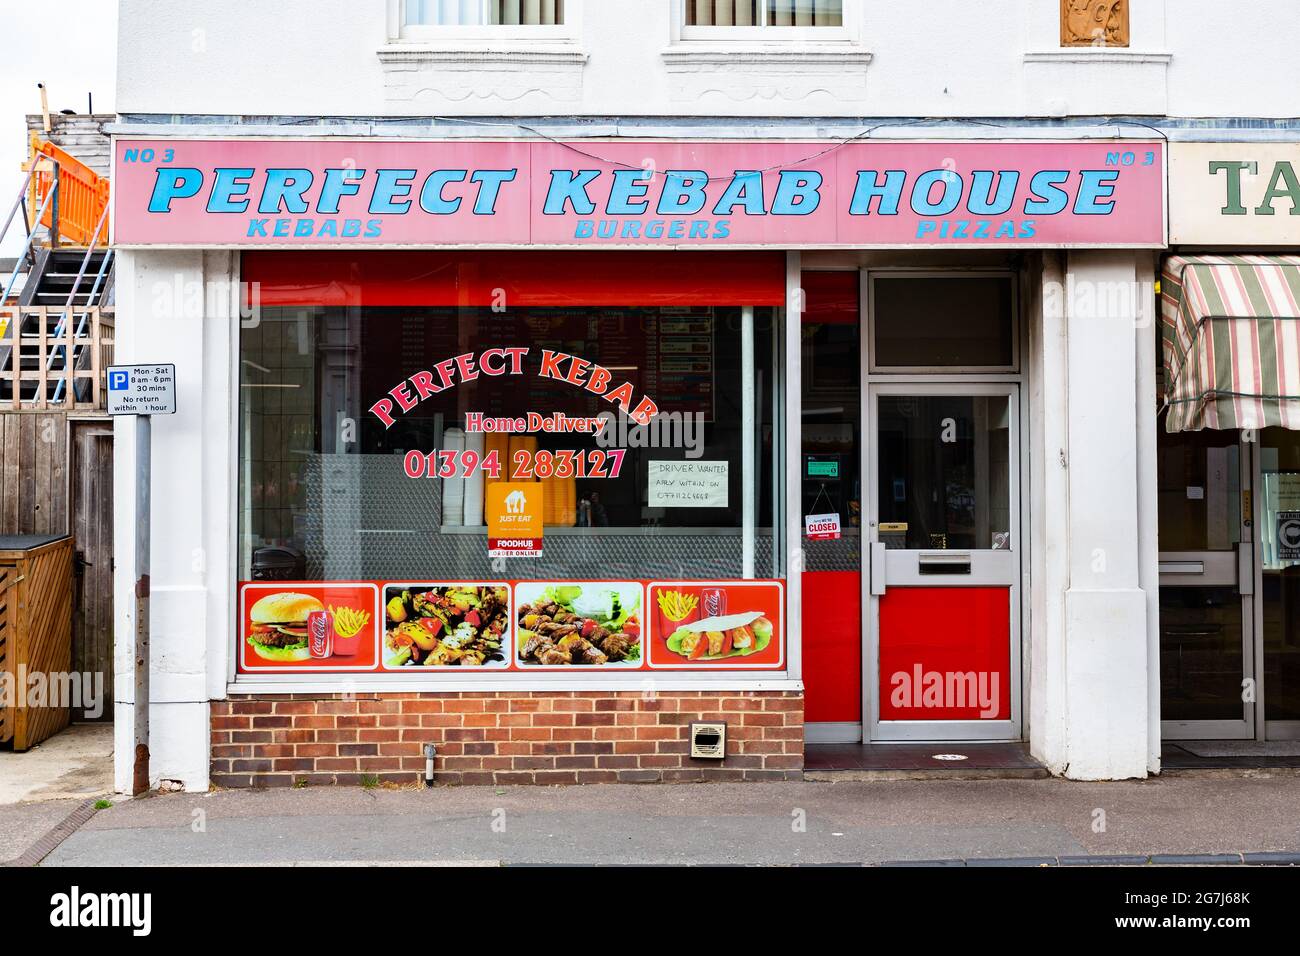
point(713, 601)
point(320, 634)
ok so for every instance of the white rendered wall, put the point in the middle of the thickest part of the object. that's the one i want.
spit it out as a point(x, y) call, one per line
point(997, 58)
point(162, 296)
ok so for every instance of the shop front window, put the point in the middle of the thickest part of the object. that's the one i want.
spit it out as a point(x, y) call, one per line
point(389, 453)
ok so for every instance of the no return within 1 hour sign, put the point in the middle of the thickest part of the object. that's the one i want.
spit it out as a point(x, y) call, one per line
point(142, 389)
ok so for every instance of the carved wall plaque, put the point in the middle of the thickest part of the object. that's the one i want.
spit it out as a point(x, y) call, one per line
point(1094, 22)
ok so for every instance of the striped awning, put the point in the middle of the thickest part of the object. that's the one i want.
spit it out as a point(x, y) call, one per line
point(1231, 341)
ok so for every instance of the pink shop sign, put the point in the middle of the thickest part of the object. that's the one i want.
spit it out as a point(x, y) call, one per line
point(363, 193)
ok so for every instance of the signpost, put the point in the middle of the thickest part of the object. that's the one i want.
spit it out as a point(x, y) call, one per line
point(142, 391)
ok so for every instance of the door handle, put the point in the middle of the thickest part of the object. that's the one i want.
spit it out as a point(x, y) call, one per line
point(1182, 567)
point(1245, 567)
point(877, 568)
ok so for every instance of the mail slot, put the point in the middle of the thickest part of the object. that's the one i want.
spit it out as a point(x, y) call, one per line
point(943, 562)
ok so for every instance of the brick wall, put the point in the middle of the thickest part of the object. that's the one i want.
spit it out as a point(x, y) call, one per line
point(502, 738)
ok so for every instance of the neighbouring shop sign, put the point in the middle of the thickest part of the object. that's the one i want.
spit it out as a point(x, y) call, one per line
point(336, 193)
point(1234, 193)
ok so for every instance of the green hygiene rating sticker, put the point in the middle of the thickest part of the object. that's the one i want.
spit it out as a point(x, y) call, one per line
point(823, 469)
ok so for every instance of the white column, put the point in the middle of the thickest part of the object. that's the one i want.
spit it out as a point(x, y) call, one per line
point(793, 444)
point(748, 443)
point(167, 312)
point(1090, 652)
point(1147, 356)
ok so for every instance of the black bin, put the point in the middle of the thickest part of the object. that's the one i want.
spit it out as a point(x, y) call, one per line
point(279, 563)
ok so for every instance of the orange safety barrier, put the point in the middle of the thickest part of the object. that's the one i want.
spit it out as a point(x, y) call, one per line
point(82, 196)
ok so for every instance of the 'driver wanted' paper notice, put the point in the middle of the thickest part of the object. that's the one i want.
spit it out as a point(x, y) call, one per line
point(688, 484)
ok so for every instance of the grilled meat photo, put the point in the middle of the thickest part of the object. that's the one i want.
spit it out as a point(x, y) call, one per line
point(552, 635)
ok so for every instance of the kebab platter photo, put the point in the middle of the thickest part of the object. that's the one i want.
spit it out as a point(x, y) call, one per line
point(579, 624)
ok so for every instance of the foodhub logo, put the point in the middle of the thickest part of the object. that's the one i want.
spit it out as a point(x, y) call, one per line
point(514, 518)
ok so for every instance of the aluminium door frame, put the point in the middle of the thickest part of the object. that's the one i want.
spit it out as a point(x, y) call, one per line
point(1015, 375)
point(984, 731)
point(1265, 729)
point(1237, 567)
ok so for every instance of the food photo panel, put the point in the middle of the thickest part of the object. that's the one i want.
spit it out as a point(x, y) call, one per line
point(583, 624)
point(308, 626)
point(725, 625)
point(446, 625)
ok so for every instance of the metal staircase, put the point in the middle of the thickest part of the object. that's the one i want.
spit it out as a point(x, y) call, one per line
point(56, 327)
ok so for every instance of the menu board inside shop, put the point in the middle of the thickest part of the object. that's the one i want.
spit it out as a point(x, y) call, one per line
point(681, 368)
point(667, 352)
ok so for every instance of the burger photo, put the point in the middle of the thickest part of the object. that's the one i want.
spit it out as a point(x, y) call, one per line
point(279, 626)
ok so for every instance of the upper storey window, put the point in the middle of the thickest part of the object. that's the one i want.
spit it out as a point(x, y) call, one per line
point(762, 19)
point(418, 14)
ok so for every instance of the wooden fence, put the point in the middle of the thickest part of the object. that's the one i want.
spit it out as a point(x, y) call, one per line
point(8, 617)
point(34, 465)
point(73, 355)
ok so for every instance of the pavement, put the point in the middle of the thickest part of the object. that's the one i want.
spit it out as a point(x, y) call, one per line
point(74, 764)
point(778, 823)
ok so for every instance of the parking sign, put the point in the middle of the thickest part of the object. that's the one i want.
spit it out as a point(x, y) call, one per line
point(141, 389)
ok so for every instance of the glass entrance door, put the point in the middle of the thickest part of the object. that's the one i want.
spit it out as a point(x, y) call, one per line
point(943, 528)
point(1206, 587)
point(1278, 507)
